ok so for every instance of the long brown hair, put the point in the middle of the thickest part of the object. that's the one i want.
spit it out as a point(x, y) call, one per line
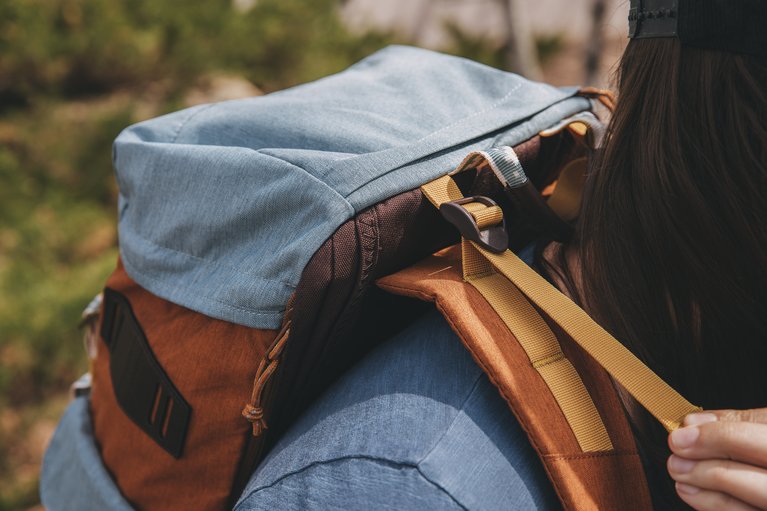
point(672, 236)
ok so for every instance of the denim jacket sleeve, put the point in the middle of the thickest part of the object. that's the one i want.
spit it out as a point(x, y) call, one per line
point(415, 425)
point(351, 483)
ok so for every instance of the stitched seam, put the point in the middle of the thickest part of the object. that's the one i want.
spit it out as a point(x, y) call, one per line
point(311, 176)
point(475, 114)
point(442, 437)
point(458, 121)
point(524, 424)
point(373, 459)
point(186, 121)
point(211, 262)
point(251, 312)
point(208, 261)
point(458, 413)
point(539, 364)
point(496, 105)
point(441, 488)
point(407, 292)
point(590, 455)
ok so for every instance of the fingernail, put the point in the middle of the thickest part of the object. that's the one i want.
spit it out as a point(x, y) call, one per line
point(680, 465)
point(684, 437)
point(686, 488)
point(696, 419)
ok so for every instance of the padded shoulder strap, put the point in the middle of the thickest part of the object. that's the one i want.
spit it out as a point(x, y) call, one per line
point(551, 362)
point(663, 402)
point(605, 479)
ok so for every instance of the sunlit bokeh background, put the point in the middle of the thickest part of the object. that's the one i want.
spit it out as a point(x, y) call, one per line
point(73, 73)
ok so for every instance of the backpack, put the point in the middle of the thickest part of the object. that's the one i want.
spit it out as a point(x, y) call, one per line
point(267, 244)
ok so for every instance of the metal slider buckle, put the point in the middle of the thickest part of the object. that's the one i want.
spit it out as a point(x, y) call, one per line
point(490, 237)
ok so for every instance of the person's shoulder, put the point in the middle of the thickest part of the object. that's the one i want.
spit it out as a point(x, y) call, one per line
point(350, 483)
point(418, 419)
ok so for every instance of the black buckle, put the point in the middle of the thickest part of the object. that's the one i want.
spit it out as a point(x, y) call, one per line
point(493, 238)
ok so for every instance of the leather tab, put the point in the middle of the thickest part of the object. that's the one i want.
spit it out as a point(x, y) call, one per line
point(143, 390)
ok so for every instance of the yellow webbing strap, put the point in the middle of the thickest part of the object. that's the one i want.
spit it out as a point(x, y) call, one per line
point(545, 353)
point(483, 267)
point(532, 332)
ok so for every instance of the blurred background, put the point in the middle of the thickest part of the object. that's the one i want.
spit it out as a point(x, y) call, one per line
point(73, 73)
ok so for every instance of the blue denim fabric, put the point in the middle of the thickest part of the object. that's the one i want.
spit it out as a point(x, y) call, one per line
point(73, 477)
point(221, 206)
point(417, 425)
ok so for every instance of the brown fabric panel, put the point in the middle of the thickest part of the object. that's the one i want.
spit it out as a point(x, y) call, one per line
point(212, 363)
point(327, 335)
point(581, 480)
point(320, 298)
point(599, 482)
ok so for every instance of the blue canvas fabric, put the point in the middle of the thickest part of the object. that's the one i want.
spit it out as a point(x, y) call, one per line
point(221, 206)
point(73, 476)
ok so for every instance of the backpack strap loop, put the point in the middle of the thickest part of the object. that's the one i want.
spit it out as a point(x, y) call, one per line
point(478, 219)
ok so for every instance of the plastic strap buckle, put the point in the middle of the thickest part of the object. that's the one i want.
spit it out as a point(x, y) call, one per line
point(490, 237)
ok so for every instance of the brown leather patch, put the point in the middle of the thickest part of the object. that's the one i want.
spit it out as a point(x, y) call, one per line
point(612, 480)
point(212, 363)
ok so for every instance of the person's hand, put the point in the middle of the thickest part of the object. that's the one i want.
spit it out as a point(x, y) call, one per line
point(720, 460)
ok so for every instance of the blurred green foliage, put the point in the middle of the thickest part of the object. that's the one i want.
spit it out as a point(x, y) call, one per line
point(73, 73)
point(59, 60)
point(81, 47)
point(492, 52)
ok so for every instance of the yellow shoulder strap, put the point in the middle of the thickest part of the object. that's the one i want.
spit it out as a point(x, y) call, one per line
point(663, 402)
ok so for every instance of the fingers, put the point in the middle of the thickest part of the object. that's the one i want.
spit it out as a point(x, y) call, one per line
point(720, 460)
point(744, 483)
point(705, 500)
point(741, 441)
point(758, 416)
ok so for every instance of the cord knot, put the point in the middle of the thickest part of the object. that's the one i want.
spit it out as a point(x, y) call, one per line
point(255, 415)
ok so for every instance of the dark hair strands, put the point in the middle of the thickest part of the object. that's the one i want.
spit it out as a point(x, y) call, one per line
point(672, 237)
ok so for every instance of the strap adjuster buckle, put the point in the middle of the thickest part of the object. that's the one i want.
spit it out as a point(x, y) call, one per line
point(478, 219)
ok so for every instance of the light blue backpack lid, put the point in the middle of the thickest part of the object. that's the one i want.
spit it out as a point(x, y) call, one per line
point(221, 206)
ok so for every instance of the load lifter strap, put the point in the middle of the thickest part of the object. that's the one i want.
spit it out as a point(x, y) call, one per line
point(503, 279)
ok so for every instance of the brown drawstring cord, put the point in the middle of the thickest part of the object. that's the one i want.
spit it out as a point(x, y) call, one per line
point(254, 411)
